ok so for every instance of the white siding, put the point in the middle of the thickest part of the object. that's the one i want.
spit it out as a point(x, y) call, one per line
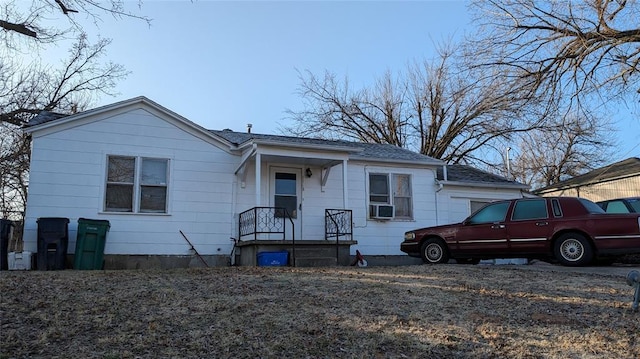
point(620, 188)
point(383, 237)
point(316, 200)
point(68, 180)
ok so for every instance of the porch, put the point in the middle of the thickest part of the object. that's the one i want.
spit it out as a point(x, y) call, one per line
point(272, 229)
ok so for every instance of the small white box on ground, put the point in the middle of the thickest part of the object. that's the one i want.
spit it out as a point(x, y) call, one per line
point(19, 260)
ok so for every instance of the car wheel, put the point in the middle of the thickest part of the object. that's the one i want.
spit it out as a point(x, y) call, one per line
point(434, 251)
point(573, 249)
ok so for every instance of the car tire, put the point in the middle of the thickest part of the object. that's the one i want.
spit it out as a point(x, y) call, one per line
point(573, 250)
point(434, 251)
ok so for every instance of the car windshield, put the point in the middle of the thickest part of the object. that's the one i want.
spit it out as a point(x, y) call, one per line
point(590, 206)
point(635, 203)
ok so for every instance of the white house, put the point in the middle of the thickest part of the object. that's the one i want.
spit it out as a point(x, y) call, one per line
point(154, 174)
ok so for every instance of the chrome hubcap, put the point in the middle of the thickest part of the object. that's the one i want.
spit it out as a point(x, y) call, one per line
point(433, 252)
point(572, 250)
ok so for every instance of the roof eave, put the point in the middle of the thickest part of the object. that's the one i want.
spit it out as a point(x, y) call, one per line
point(485, 185)
point(401, 161)
point(582, 184)
point(309, 146)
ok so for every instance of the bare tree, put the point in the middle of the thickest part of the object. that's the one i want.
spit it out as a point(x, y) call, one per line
point(26, 91)
point(333, 111)
point(35, 20)
point(575, 145)
point(577, 47)
point(441, 109)
point(14, 166)
point(577, 56)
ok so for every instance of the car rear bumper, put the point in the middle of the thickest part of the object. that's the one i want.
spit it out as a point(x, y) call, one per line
point(411, 248)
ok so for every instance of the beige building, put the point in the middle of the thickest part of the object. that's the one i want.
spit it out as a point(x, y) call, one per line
point(617, 180)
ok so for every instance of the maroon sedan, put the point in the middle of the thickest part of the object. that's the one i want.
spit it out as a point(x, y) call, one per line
point(573, 230)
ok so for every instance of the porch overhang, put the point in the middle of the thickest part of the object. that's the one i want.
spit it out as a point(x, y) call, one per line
point(300, 154)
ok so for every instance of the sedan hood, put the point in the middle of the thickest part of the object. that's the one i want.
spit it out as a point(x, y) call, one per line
point(439, 229)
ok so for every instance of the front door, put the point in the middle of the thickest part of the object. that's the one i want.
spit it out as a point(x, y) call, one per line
point(285, 192)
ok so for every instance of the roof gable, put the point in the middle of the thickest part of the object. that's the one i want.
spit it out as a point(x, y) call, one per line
point(47, 122)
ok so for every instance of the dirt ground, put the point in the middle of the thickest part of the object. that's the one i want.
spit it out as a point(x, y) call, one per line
point(422, 311)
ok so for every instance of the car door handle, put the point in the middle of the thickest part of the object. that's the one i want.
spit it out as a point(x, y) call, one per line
point(540, 224)
point(498, 226)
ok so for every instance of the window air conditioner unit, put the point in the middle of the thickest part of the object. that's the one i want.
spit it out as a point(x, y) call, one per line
point(382, 211)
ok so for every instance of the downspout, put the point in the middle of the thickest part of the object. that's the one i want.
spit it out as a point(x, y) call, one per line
point(345, 184)
point(435, 194)
point(366, 183)
point(445, 177)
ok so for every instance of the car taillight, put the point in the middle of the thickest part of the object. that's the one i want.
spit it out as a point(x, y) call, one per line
point(410, 236)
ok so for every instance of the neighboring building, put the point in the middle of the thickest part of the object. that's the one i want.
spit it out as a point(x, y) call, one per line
point(152, 174)
point(617, 180)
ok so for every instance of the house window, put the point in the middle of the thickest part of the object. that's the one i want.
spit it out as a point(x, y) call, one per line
point(392, 190)
point(136, 184)
point(477, 205)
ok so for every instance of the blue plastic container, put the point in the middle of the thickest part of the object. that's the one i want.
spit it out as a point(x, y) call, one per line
point(273, 259)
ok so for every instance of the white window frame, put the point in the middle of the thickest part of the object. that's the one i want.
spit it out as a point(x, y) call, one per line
point(391, 196)
point(137, 185)
point(476, 204)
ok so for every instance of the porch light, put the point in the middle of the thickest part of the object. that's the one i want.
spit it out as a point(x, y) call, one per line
point(308, 172)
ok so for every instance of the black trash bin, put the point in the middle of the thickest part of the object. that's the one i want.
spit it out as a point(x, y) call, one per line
point(53, 241)
point(6, 232)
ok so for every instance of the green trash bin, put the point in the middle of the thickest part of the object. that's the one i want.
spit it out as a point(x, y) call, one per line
point(92, 235)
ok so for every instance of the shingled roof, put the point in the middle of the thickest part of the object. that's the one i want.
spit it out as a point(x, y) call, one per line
point(623, 169)
point(43, 117)
point(470, 175)
point(361, 150)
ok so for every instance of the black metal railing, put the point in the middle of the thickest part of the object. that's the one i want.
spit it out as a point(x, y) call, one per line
point(267, 220)
point(338, 223)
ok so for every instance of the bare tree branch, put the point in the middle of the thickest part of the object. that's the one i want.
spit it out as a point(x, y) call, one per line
point(579, 47)
point(18, 18)
point(19, 28)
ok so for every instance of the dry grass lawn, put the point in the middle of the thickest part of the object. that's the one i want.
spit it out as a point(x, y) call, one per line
point(444, 311)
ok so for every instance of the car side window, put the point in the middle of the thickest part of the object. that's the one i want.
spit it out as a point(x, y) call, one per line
point(617, 207)
point(557, 212)
point(530, 209)
point(492, 213)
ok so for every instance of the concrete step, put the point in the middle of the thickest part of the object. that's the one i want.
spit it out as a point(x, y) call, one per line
point(315, 261)
point(302, 252)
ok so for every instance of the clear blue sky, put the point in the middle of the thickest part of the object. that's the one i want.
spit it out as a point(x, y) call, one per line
point(226, 64)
